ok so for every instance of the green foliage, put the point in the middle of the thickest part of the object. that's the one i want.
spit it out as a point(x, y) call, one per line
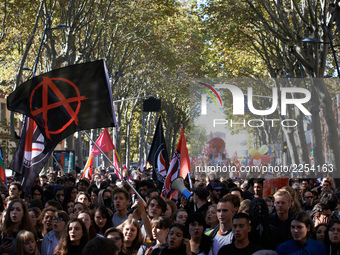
point(7, 144)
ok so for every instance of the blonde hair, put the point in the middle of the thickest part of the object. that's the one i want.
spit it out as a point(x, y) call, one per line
point(296, 207)
point(283, 193)
point(244, 204)
point(22, 237)
point(139, 238)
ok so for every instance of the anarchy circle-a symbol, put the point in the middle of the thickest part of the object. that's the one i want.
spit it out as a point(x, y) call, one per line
point(48, 84)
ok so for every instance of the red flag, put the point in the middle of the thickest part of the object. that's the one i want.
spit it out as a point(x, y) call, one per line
point(104, 142)
point(179, 166)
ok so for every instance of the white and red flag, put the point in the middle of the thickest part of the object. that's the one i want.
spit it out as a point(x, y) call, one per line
point(179, 167)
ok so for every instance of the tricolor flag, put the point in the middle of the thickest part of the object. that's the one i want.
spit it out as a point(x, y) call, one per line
point(105, 143)
point(66, 100)
point(88, 169)
point(179, 166)
point(2, 169)
point(158, 157)
point(29, 157)
point(117, 163)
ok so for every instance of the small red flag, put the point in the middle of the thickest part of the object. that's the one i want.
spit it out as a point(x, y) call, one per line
point(104, 142)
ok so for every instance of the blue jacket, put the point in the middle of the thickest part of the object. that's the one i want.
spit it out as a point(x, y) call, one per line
point(310, 247)
point(47, 244)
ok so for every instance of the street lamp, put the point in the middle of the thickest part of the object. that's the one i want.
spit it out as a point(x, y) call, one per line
point(313, 40)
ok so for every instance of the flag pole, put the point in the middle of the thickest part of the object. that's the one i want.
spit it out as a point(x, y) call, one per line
point(88, 136)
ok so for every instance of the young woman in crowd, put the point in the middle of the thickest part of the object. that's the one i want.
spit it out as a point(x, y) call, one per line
point(26, 244)
point(94, 198)
point(34, 215)
point(320, 232)
point(211, 218)
point(302, 226)
point(332, 237)
point(171, 208)
point(180, 216)
point(37, 193)
point(178, 243)
point(52, 238)
point(200, 243)
point(160, 229)
point(117, 236)
point(74, 239)
point(16, 219)
point(86, 217)
point(102, 220)
point(70, 193)
point(132, 236)
point(78, 206)
point(69, 207)
point(84, 198)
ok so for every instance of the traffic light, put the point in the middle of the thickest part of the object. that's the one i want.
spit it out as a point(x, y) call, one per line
point(284, 147)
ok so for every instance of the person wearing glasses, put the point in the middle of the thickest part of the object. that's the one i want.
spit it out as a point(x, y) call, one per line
point(308, 202)
point(332, 237)
point(301, 228)
point(51, 240)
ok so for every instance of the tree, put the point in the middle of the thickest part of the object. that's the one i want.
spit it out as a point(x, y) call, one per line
point(287, 23)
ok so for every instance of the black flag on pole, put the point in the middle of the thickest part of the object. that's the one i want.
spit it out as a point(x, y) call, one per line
point(29, 157)
point(158, 157)
point(66, 100)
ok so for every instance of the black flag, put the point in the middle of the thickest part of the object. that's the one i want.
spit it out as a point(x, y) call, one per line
point(66, 100)
point(29, 157)
point(158, 157)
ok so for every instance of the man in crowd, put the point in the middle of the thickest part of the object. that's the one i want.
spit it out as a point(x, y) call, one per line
point(200, 195)
point(121, 200)
point(308, 202)
point(321, 213)
point(241, 228)
point(282, 217)
point(225, 212)
point(258, 187)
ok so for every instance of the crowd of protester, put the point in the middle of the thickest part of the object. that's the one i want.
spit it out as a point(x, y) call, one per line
point(66, 214)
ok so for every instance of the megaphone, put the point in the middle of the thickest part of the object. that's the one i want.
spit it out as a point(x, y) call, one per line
point(178, 184)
